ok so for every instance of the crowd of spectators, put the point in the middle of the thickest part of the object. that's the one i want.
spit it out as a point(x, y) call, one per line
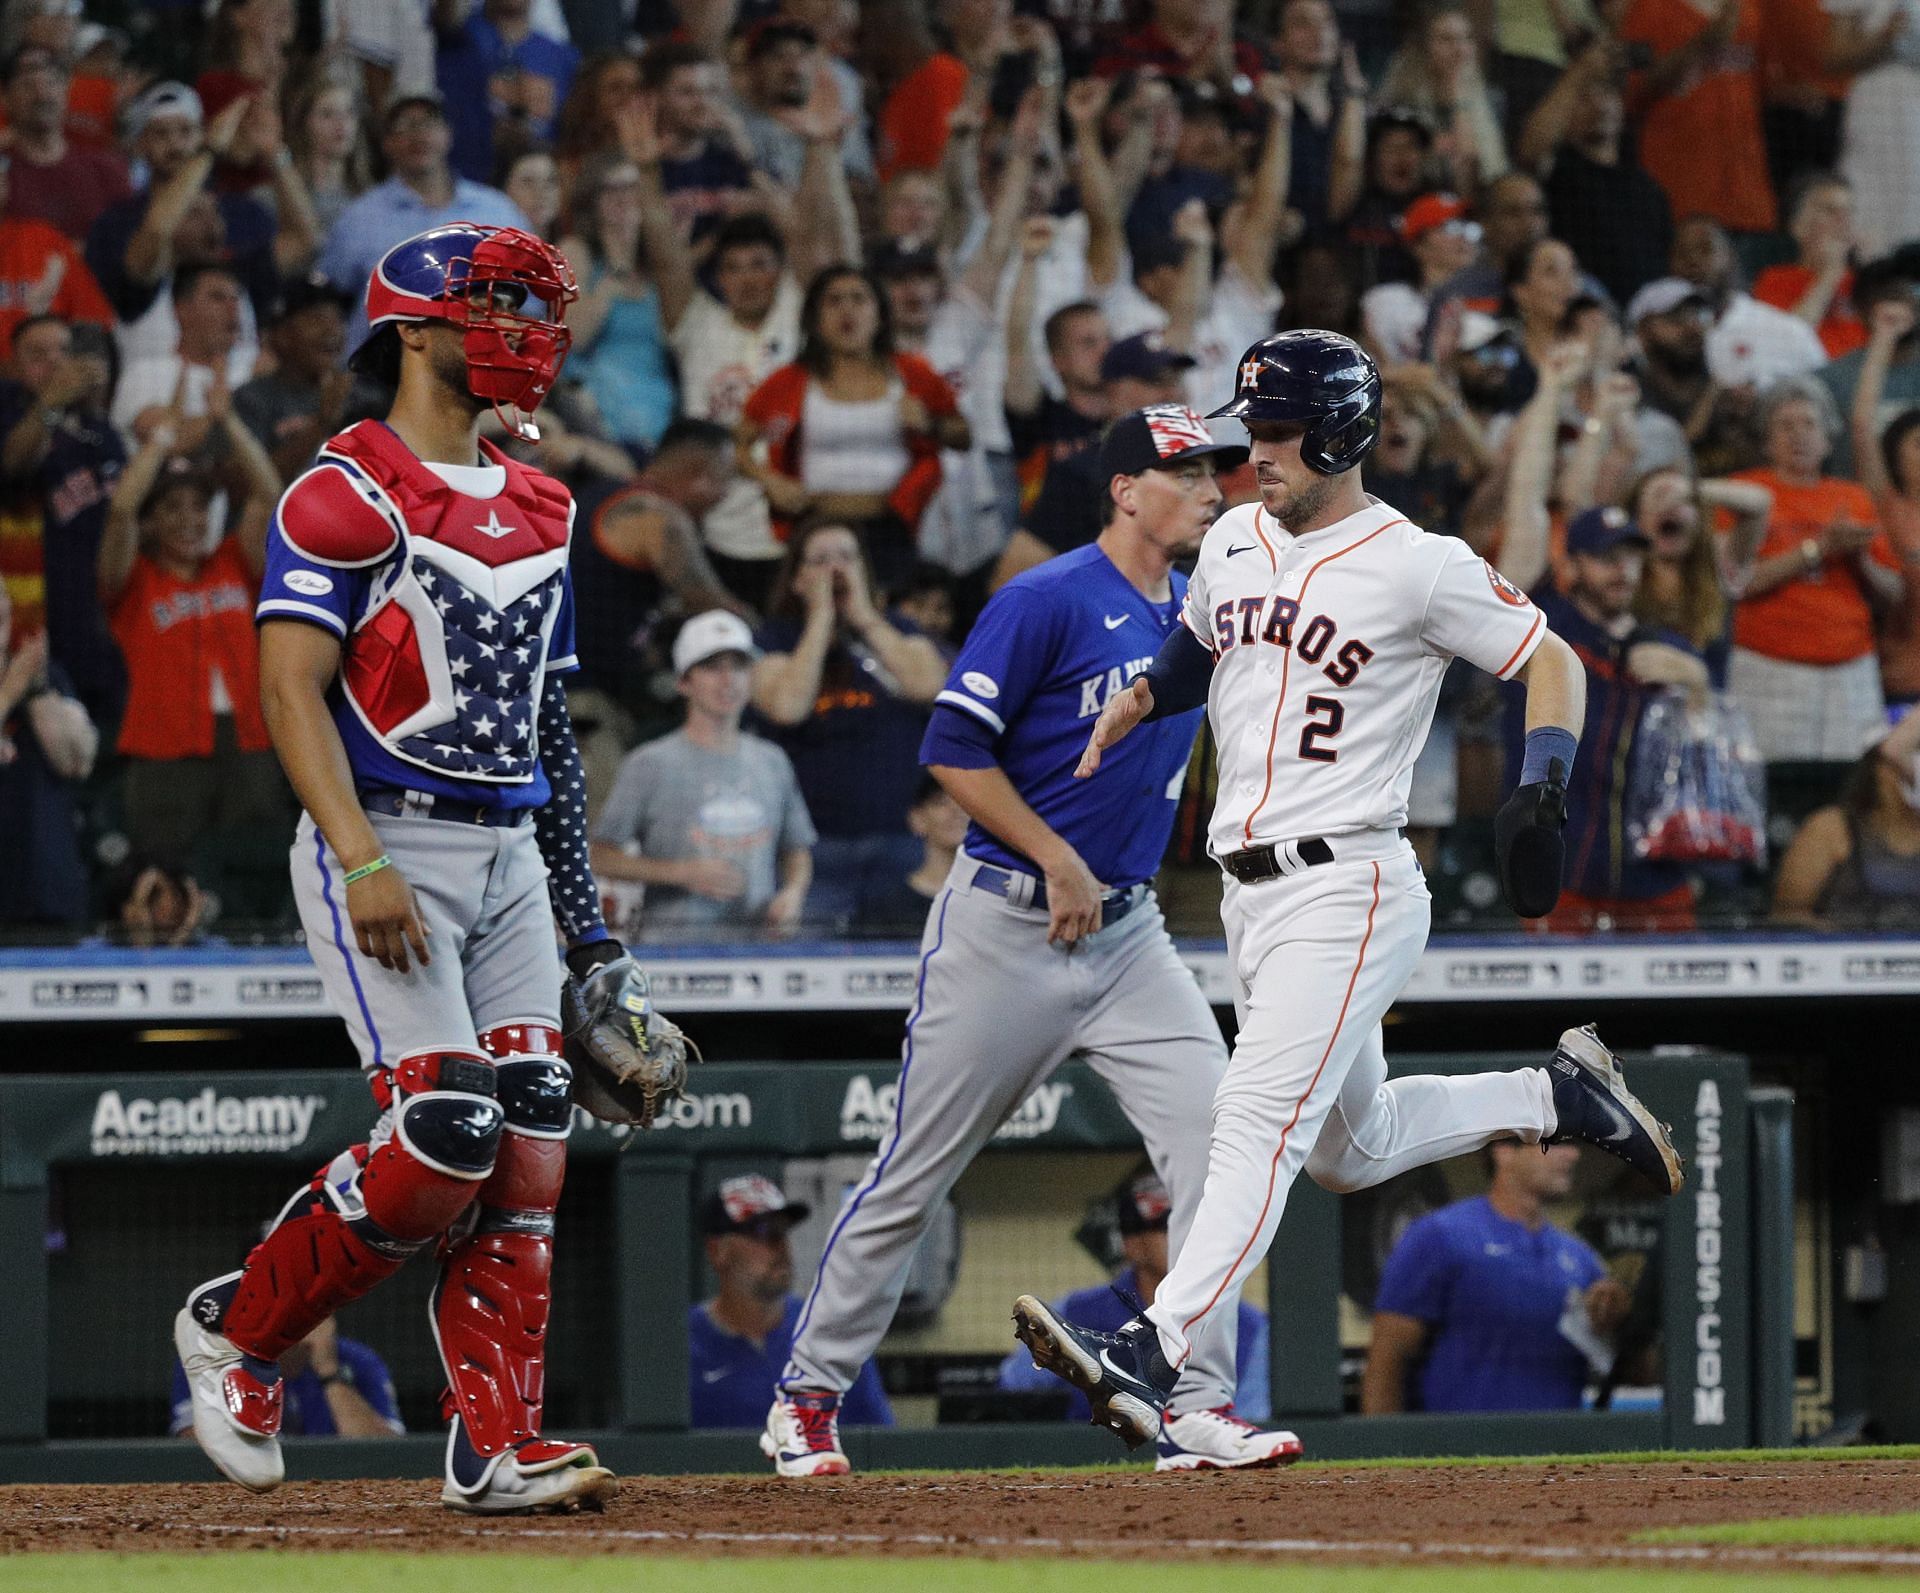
point(860, 286)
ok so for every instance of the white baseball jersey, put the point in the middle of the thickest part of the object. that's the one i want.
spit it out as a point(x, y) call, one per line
point(1328, 651)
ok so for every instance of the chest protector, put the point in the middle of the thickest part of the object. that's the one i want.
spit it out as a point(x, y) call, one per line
point(446, 666)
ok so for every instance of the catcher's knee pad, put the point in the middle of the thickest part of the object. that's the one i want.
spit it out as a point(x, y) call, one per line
point(371, 1207)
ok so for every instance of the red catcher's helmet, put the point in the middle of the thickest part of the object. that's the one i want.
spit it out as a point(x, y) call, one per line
point(483, 279)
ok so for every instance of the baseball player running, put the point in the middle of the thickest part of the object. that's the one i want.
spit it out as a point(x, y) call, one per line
point(1046, 939)
point(415, 617)
point(1318, 625)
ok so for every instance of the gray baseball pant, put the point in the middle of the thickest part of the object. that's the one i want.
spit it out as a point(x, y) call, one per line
point(996, 1011)
point(483, 894)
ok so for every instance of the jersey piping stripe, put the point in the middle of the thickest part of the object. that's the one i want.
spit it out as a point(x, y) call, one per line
point(1273, 1167)
point(1286, 659)
point(893, 1143)
point(1533, 631)
point(340, 941)
point(1272, 562)
point(954, 699)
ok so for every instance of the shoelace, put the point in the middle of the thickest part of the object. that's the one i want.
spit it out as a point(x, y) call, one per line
point(816, 1425)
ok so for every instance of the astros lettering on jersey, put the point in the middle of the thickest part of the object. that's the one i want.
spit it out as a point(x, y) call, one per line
point(1329, 649)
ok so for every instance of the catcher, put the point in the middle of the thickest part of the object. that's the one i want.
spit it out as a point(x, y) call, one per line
point(415, 618)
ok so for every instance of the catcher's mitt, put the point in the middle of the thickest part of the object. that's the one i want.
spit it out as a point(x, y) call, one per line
point(628, 1059)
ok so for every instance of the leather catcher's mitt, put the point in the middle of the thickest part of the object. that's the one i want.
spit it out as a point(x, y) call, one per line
point(628, 1059)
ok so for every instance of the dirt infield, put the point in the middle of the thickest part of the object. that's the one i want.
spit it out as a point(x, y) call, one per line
point(1583, 1513)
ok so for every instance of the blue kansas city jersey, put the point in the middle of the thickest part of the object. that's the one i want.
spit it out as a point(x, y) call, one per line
point(1044, 657)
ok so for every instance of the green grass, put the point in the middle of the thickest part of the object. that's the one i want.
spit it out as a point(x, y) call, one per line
point(1880, 1532)
point(284, 1572)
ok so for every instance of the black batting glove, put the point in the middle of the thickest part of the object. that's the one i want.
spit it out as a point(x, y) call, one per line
point(1528, 846)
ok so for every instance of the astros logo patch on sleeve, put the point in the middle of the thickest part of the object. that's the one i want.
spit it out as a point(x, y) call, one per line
point(1505, 590)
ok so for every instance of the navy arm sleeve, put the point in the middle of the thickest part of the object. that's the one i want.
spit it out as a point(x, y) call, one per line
point(1180, 674)
point(561, 826)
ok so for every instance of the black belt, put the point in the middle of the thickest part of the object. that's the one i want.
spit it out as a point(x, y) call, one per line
point(1004, 882)
point(1270, 862)
point(424, 805)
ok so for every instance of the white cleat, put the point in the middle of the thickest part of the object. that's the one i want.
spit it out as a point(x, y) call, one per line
point(1218, 1440)
point(540, 1475)
point(236, 1415)
point(802, 1436)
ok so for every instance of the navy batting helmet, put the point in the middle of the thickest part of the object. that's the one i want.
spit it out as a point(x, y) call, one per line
point(1320, 380)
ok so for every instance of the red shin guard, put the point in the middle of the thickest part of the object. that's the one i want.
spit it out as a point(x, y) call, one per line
point(491, 1306)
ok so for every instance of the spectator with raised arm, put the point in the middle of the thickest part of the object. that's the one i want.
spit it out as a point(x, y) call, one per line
point(1697, 107)
point(181, 604)
point(59, 457)
point(709, 819)
point(1438, 75)
point(208, 306)
point(1804, 664)
point(789, 85)
point(1889, 462)
point(1893, 279)
point(1877, 43)
point(47, 747)
point(1750, 344)
point(179, 220)
point(1176, 293)
point(1590, 601)
point(1599, 200)
point(1856, 864)
point(42, 273)
point(1326, 96)
point(1818, 286)
point(504, 80)
point(706, 164)
point(846, 688)
point(1701, 541)
point(1396, 174)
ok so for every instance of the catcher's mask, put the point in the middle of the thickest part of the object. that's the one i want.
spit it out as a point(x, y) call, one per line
point(485, 280)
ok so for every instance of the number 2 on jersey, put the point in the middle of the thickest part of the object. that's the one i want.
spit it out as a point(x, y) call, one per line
point(1335, 712)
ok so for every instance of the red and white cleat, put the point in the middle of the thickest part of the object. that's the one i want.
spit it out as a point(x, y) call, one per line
point(1218, 1440)
point(803, 1436)
point(236, 1401)
point(536, 1475)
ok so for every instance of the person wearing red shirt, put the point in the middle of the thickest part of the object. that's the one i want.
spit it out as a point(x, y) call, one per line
point(1190, 39)
point(1804, 664)
point(1818, 286)
point(63, 184)
point(42, 273)
point(851, 431)
point(181, 607)
point(1698, 108)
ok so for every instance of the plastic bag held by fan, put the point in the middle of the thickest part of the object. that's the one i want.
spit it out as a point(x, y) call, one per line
point(1696, 791)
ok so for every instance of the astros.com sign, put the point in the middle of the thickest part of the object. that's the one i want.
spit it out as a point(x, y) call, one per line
point(208, 1123)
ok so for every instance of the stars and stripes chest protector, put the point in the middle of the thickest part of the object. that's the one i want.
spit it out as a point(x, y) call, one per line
point(446, 665)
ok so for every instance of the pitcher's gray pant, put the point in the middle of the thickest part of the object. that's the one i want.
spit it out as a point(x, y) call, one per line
point(996, 1010)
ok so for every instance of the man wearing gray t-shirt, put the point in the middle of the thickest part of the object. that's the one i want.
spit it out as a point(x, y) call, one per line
point(709, 819)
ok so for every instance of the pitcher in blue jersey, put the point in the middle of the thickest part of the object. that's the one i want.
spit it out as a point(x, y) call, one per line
point(1046, 940)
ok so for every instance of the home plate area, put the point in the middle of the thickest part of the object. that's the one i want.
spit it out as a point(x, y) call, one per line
point(1460, 1513)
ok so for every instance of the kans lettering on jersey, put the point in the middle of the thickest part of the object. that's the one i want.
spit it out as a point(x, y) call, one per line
point(1095, 692)
point(1276, 620)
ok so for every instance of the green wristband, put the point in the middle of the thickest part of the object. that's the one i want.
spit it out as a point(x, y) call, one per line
point(380, 862)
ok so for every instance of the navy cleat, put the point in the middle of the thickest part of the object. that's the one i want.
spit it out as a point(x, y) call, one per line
point(1592, 1104)
point(1124, 1375)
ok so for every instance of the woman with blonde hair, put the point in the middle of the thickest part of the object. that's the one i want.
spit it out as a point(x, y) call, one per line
point(1694, 572)
point(1438, 75)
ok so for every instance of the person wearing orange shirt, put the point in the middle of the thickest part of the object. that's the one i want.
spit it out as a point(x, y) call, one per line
point(1804, 665)
point(198, 757)
point(1698, 105)
point(1889, 463)
point(1818, 286)
point(42, 273)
